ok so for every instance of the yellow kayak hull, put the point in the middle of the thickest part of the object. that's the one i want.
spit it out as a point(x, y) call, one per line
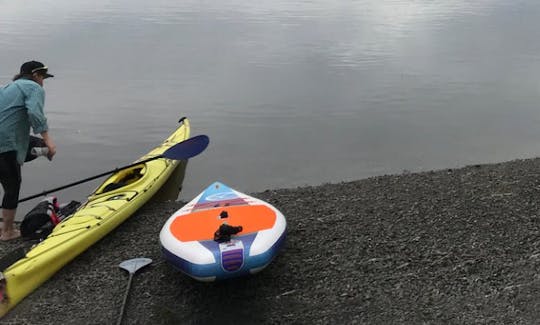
point(108, 206)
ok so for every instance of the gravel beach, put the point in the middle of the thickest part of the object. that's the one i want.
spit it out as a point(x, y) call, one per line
point(453, 246)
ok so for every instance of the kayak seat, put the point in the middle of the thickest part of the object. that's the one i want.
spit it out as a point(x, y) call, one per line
point(124, 179)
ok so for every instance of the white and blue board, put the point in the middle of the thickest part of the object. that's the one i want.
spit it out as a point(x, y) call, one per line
point(223, 233)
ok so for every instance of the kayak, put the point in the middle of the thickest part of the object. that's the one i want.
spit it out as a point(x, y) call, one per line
point(116, 199)
point(221, 234)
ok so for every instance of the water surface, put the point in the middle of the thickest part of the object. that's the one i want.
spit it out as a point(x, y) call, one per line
point(290, 93)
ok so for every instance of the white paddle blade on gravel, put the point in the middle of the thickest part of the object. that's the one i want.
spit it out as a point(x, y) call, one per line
point(135, 264)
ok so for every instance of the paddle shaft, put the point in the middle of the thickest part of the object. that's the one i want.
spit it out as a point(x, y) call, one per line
point(89, 179)
point(125, 299)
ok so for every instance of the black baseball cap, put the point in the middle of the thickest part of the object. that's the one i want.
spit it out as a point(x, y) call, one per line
point(35, 66)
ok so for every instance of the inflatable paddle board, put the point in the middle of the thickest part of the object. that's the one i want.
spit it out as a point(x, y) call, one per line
point(221, 234)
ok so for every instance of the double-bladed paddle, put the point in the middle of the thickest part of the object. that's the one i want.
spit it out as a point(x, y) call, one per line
point(183, 150)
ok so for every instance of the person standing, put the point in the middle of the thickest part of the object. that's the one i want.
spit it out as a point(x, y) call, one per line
point(21, 107)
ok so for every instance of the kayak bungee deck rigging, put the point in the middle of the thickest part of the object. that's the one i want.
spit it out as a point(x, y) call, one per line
point(115, 200)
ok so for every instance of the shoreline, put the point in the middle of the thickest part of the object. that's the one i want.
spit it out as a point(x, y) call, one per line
point(446, 246)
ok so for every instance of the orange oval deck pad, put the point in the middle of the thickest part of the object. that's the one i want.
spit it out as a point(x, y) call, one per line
point(202, 225)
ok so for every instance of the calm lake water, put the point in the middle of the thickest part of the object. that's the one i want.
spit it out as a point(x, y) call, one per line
point(291, 93)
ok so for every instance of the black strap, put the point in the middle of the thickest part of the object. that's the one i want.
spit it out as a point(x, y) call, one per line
point(225, 231)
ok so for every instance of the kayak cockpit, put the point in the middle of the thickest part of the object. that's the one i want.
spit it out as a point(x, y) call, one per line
point(121, 179)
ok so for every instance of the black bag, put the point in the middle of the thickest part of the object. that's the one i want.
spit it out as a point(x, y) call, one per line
point(35, 142)
point(40, 221)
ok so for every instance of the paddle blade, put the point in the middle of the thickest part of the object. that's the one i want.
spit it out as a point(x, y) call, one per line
point(188, 148)
point(135, 264)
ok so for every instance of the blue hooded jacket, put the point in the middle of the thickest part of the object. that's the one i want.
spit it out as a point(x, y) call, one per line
point(21, 107)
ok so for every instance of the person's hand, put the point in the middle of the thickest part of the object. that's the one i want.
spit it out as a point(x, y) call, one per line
point(52, 149)
point(50, 144)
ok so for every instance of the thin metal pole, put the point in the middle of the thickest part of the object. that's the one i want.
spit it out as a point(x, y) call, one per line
point(125, 300)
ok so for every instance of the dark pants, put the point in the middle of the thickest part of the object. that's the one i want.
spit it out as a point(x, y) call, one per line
point(10, 177)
